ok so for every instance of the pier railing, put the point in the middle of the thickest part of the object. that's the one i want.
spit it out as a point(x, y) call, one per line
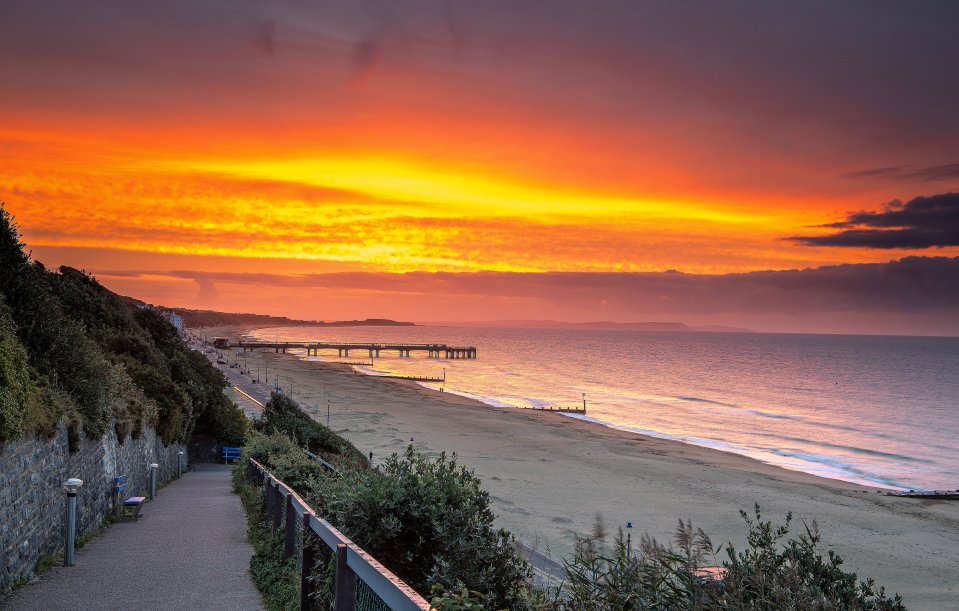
point(359, 581)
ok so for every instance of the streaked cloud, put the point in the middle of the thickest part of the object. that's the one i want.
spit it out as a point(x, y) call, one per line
point(944, 172)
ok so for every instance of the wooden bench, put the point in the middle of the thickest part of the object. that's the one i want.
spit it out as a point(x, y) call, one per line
point(126, 508)
point(231, 454)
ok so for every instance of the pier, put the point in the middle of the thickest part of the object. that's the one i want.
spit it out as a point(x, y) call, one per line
point(433, 351)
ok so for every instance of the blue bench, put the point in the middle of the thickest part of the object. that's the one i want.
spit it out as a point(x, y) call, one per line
point(126, 508)
point(231, 454)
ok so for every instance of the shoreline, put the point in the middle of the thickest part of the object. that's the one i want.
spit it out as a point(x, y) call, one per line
point(548, 475)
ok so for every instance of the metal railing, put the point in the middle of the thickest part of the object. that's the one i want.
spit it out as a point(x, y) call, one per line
point(359, 581)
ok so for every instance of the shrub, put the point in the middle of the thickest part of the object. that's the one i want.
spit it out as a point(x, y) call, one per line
point(16, 388)
point(282, 414)
point(430, 522)
point(768, 574)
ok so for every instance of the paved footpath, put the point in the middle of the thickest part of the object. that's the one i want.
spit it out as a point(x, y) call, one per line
point(188, 550)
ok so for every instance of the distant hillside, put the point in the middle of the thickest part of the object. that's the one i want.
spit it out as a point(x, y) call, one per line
point(209, 318)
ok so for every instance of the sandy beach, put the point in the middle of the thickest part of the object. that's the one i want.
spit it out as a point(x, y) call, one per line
point(550, 475)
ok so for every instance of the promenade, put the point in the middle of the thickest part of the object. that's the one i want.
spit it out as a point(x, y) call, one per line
point(188, 550)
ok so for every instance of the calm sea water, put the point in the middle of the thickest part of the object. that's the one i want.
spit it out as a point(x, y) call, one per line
point(866, 409)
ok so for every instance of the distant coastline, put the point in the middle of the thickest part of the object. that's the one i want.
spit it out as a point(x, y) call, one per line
point(594, 325)
point(196, 319)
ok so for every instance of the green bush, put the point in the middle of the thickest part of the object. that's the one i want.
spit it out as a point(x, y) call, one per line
point(282, 414)
point(16, 387)
point(430, 522)
point(427, 521)
point(276, 578)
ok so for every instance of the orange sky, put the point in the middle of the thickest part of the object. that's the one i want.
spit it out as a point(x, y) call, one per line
point(457, 137)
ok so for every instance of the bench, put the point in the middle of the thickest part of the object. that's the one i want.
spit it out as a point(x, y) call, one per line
point(231, 454)
point(126, 508)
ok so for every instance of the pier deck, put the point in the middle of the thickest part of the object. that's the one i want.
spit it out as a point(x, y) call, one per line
point(343, 348)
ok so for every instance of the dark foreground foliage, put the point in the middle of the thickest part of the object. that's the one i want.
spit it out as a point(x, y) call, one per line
point(71, 350)
point(429, 521)
point(770, 573)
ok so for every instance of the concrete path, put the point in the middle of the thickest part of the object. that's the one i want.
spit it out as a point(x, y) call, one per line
point(188, 550)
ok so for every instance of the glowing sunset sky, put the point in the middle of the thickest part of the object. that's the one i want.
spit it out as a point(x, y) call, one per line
point(253, 156)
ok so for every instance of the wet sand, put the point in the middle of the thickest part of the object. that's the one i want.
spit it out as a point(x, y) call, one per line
point(549, 476)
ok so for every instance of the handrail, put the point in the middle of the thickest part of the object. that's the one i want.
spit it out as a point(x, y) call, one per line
point(329, 466)
point(392, 590)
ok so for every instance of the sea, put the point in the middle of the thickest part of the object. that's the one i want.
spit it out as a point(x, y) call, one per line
point(875, 410)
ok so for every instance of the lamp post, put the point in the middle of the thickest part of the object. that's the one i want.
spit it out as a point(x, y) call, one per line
point(71, 486)
point(153, 479)
point(179, 464)
point(629, 539)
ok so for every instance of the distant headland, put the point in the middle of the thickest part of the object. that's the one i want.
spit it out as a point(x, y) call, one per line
point(195, 319)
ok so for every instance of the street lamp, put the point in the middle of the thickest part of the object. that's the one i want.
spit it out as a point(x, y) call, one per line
point(153, 479)
point(179, 464)
point(71, 486)
point(629, 539)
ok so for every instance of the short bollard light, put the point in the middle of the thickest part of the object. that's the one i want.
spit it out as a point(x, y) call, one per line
point(179, 464)
point(153, 479)
point(71, 486)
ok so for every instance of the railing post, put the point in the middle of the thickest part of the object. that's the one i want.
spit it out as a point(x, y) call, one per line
point(289, 543)
point(268, 497)
point(345, 582)
point(277, 508)
point(306, 565)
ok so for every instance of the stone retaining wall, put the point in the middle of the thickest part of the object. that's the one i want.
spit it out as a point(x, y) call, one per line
point(32, 500)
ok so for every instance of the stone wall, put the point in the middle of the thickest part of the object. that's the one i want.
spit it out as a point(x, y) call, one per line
point(33, 501)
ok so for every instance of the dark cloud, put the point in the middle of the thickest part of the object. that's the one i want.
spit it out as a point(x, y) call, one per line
point(912, 286)
point(923, 222)
point(949, 171)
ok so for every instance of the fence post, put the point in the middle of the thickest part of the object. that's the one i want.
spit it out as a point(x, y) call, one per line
point(289, 545)
point(277, 507)
point(345, 582)
point(306, 564)
point(268, 497)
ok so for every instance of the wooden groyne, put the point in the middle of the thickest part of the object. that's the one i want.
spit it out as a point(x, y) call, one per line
point(557, 408)
point(411, 378)
point(942, 495)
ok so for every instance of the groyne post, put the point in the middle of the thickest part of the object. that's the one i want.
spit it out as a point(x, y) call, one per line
point(345, 582)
